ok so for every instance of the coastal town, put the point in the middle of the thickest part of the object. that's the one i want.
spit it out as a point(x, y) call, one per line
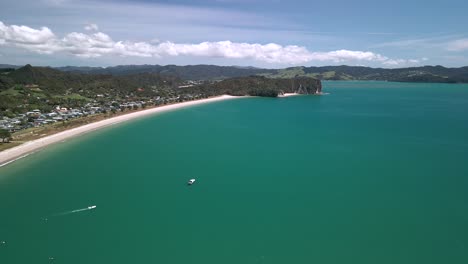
point(36, 102)
point(38, 118)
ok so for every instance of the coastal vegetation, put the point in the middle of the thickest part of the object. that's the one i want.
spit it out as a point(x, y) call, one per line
point(43, 88)
point(259, 86)
point(61, 98)
point(39, 101)
point(5, 135)
point(189, 72)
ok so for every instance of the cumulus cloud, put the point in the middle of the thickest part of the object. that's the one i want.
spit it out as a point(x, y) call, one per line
point(24, 34)
point(348, 55)
point(91, 27)
point(98, 44)
point(458, 45)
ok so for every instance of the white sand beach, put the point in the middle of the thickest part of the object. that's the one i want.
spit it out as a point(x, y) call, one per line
point(288, 94)
point(12, 154)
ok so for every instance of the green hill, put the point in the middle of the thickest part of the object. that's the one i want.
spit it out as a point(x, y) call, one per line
point(213, 72)
point(414, 74)
point(29, 87)
point(190, 72)
point(260, 86)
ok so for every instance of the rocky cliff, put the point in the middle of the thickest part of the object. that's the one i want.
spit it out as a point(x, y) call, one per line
point(306, 85)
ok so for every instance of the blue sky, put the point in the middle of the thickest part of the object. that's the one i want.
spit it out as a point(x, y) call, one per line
point(271, 34)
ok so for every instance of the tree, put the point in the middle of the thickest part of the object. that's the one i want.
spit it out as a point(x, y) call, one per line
point(5, 135)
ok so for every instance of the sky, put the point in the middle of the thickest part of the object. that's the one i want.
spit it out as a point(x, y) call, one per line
point(260, 33)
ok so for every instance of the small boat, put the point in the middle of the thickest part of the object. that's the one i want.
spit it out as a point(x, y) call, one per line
point(191, 181)
point(91, 207)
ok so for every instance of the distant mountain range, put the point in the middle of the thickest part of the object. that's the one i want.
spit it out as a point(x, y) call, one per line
point(190, 72)
point(212, 72)
point(437, 74)
point(9, 66)
point(54, 81)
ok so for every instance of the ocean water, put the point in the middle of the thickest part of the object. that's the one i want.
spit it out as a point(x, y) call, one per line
point(374, 172)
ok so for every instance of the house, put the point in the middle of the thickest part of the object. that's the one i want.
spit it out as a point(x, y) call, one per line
point(33, 114)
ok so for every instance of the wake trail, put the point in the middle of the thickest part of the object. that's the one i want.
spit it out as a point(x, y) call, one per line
point(73, 211)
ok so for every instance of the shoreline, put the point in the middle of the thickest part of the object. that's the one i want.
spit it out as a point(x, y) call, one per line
point(288, 94)
point(10, 155)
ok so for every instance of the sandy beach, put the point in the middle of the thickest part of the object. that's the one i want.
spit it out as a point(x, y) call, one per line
point(10, 155)
point(288, 94)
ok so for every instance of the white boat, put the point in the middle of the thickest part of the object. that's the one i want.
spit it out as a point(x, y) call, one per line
point(191, 181)
point(91, 207)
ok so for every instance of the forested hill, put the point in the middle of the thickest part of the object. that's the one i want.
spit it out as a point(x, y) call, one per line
point(213, 72)
point(42, 88)
point(415, 74)
point(259, 86)
point(190, 72)
point(55, 82)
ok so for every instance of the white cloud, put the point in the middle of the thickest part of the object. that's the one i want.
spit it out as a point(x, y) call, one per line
point(100, 44)
point(458, 45)
point(271, 53)
point(395, 62)
point(91, 27)
point(24, 34)
point(348, 55)
point(403, 62)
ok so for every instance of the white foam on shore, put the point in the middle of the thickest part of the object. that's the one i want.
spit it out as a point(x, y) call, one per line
point(8, 162)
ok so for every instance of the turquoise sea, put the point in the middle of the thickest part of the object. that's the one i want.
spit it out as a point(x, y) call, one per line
point(373, 172)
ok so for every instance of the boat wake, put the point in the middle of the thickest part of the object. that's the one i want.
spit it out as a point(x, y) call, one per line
point(75, 211)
